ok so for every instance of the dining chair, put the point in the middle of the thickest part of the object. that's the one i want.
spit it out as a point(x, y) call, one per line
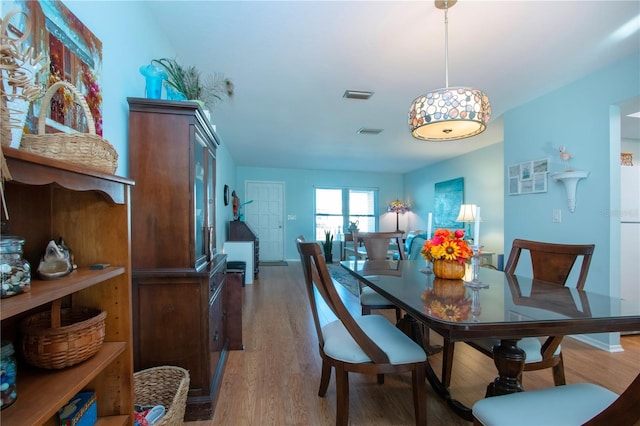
point(551, 263)
point(377, 246)
point(575, 404)
point(368, 344)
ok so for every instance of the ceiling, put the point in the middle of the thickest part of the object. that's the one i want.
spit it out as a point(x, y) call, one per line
point(291, 62)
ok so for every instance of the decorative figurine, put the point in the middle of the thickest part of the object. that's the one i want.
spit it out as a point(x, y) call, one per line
point(236, 205)
point(57, 261)
point(565, 157)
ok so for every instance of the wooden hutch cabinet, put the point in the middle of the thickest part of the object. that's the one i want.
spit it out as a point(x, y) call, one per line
point(185, 307)
point(47, 199)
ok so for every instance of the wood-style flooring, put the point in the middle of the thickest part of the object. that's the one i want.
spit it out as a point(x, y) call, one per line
point(275, 380)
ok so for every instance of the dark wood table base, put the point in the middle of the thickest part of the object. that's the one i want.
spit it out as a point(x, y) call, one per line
point(412, 328)
point(508, 358)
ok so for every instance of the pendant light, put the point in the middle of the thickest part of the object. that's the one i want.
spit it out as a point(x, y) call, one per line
point(451, 112)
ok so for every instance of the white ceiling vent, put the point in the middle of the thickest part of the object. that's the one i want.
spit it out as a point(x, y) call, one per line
point(368, 131)
point(357, 94)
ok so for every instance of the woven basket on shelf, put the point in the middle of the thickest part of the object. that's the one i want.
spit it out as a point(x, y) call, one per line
point(62, 337)
point(85, 149)
point(165, 385)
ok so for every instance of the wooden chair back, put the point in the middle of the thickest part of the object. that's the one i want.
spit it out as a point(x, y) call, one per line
point(552, 262)
point(317, 276)
point(409, 357)
point(377, 243)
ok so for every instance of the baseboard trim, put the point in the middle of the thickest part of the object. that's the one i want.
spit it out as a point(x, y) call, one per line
point(598, 343)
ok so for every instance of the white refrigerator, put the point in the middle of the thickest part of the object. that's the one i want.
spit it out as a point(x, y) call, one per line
point(630, 233)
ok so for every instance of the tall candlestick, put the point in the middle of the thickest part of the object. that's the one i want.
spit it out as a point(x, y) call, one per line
point(476, 230)
point(429, 220)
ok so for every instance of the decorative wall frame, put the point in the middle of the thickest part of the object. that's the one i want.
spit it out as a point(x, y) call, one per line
point(529, 177)
point(75, 55)
point(449, 196)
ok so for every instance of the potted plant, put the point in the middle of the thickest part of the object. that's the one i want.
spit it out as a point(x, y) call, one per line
point(327, 246)
point(187, 81)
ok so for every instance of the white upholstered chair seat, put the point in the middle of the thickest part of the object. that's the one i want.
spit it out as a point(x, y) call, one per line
point(561, 405)
point(370, 297)
point(338, 343)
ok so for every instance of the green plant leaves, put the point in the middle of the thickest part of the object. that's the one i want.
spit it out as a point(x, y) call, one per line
point(188, 81)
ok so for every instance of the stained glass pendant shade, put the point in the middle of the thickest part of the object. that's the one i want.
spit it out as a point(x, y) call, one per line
point(449, 113)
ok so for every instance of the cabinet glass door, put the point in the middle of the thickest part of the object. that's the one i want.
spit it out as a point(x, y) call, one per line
point(211, 202)
point(199, 200)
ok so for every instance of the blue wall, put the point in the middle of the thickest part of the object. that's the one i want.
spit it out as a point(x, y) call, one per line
point(577, 116)
point(129, 39)
point(483, 174)
point(299, 196)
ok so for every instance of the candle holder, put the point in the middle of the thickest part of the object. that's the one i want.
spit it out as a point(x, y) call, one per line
point(475, 265)
point(476, 309)
point(428, 269)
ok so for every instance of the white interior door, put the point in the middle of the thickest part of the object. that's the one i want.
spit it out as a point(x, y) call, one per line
point(265, 215)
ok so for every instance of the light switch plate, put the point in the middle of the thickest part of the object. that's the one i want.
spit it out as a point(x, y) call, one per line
point(557, 215)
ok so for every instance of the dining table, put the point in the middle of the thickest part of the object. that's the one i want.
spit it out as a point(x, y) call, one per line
point(496, 305)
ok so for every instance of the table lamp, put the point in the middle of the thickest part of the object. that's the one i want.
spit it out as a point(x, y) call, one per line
point(467, 214)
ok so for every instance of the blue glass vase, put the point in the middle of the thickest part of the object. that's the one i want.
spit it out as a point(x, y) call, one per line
point(154, 76)
point(173, 94)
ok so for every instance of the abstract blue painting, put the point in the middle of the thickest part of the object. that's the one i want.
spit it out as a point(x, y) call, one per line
point(449, 196)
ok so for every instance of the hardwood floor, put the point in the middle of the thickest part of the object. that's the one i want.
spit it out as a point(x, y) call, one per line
point(275, 380)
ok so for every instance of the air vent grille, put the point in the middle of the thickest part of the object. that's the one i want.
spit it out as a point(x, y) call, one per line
point(368, 131)
point(357, 94)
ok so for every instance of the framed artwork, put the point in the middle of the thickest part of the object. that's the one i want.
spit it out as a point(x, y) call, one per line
point(75, 56)
point(449, 196)
point(529, 177)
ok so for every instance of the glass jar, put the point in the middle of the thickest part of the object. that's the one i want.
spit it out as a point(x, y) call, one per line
point(15, 272)
point(8, 374)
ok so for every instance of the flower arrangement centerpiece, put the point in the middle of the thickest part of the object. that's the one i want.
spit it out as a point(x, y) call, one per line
point(448, 252)
point(447, 300)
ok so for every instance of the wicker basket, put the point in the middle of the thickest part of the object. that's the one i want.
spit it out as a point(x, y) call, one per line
point(166, 386)
point(85, 149)
point(62, 337)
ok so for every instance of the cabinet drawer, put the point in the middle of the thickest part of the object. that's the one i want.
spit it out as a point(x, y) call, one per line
point(216, 326)
point(215, 281)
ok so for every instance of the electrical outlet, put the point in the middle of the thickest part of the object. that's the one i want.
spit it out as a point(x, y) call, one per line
point(291, 217)
point(557, 215)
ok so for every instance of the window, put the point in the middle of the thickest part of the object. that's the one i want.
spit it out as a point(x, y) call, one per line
point(337, 207)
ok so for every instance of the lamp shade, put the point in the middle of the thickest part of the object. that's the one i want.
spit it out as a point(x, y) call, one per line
point(449, 113)
point(467, 213)
point(398, 206)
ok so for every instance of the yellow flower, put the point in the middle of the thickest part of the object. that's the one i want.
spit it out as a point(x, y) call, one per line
point(447, 311)
point(450, 250)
